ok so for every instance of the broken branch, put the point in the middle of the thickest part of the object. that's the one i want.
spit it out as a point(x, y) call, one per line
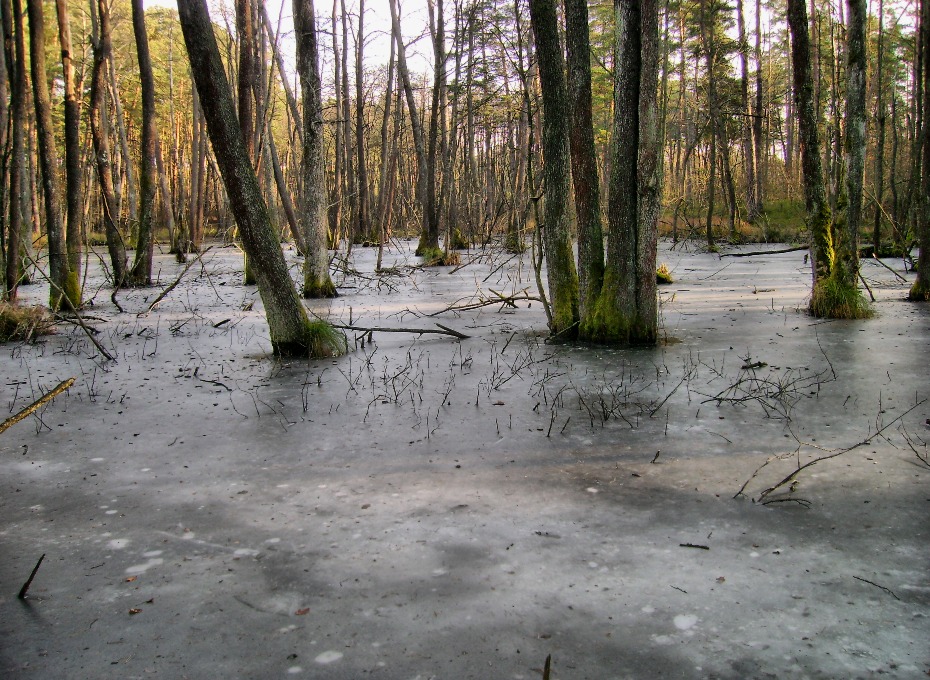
point(37, 404)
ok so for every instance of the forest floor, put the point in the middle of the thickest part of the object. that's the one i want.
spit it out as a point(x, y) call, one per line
point(426, 507)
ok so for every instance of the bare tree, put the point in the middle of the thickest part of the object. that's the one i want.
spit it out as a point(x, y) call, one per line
point(313, 199)
point(141, 274)
point(64, 281)
point(292, 333)
point(560, 264)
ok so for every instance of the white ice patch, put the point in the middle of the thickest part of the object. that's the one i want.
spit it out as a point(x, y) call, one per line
point(328, 657)
point(142, 568)
point(294, 670)
point(685, 621)
point(591, 489)
point(273, 540)
point(245, 552)
point(97, 460)
point(146, 470)
point(753, 554)
point(648, 609)
point(118, 543)
point(439, 572)
point(112, 512)
point(152, 553)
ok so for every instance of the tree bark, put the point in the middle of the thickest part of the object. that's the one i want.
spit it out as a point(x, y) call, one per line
point(64, 281)
point(746, 128)
point(141, 273)
point(815, 197)
point(15, 53)
point(416, 125)
point(921, 288)
point(73, 172)
point(291, 332)
point(847, 251)
point(585, 179)
point(627, 311)
point(313, 200)
point(102, 49)
point(560, 264)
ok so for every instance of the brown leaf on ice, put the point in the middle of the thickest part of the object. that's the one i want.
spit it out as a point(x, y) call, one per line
point(131, 579)
point(302, 612)
point(134, 611)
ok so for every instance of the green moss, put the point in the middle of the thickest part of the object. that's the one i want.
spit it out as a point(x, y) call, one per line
point(664, 275)
point(319, 288)
point(23, 324)
point(436, 257)
point(320, 340)
point(920, 291)
point(457, 240)
point(834, 299)
point(608, 325)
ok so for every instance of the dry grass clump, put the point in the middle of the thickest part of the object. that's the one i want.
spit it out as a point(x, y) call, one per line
point(24, 324)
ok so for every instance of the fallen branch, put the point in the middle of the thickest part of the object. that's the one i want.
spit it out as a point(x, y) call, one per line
point(871, 583)
point(877, 259)
point(166, 291)
point(71, 308)
point(37, 404)
point(800, 468)
point(440, 330)
point(35, 569)
point(766, 252)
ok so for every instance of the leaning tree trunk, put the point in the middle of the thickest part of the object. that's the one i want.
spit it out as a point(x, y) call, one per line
point(101, 139)
point(73, 170)
point(63, 281)
point(141, 274)
point(921, 288)
point(815, 195)
point(292, 333)
point(586, 182)
point(560, 264)
point(416, 125)
point(313, 199)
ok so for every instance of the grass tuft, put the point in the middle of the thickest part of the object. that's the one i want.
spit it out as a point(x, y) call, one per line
point(325, 341)
point(664, 275)
point(833, 299)
point(24, 324)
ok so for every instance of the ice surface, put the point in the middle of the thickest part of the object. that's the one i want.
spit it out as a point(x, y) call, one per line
point(434, 508)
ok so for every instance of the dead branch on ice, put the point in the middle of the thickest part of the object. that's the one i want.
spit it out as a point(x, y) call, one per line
point(801, 467)
point(36, 405)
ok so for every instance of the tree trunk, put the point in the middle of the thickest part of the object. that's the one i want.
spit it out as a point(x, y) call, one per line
point(880, 111)
point(585, 179)
point(818, 212)
point(101, 138)
point(921, 288)
point(416, 125)
point(760, 147)
point(15, 53)
point(847, 250)
point(560, 264)
point(429, 237)
point(313, 200)
point(63, 280)
point(141, 274)
point(336, 196)
point(363, 217)
point(247, 77)
point(291, 332)
point(627, 311)
point(73, 172)
point(746, 128)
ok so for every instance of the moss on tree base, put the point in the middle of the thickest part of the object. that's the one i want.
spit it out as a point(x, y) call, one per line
point(436, 257)
point(319, 289)
point(320, 341)
point(835, 299)
point(919, 292)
